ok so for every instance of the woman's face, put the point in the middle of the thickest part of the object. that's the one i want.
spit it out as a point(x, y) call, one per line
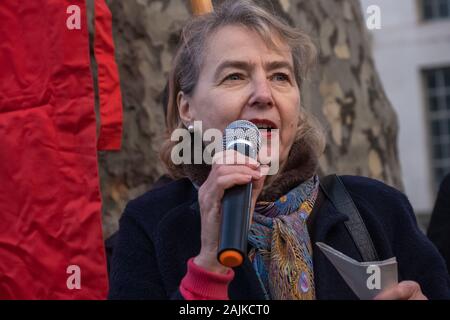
point(242, 78)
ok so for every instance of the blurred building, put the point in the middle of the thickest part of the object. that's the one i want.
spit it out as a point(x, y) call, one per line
point(412, 55)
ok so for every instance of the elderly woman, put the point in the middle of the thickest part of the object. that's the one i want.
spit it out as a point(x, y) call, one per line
point(241, 62)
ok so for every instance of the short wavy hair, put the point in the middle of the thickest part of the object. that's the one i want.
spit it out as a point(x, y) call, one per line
point(187, 65)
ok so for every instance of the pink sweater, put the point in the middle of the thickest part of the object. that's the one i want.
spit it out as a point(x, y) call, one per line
point(201, 284)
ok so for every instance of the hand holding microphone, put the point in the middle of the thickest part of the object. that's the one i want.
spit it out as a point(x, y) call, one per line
point(230, 169)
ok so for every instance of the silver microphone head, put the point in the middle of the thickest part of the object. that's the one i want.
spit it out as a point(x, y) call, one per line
point(244, 137)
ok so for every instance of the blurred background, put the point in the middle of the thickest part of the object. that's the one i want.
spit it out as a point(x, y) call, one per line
point(383, 95)
point(412, 57)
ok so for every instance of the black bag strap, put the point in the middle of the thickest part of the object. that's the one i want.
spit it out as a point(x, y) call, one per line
point(334, 189)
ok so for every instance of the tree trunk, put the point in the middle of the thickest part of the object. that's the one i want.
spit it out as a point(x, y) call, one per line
point(344, 92)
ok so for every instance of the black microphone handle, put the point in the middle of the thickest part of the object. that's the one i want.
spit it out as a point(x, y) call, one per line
point(236, 205)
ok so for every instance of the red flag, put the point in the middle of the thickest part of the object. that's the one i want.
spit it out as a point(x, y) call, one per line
point(51, 244)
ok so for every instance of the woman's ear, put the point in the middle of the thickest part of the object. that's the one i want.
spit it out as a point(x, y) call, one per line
point(184, 108)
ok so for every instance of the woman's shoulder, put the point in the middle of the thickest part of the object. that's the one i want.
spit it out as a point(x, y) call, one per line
point(373, 188)
point(377, 199)
point(155, 203)
point(385, 210)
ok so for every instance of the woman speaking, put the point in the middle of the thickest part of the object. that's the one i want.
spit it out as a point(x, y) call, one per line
point(242, 63)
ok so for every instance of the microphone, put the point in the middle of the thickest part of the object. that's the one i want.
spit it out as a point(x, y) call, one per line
point(244, 137)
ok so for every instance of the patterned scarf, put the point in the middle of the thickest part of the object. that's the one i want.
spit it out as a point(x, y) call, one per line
point(281, 248)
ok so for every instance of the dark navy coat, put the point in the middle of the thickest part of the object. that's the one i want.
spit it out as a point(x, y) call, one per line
point(160, 231)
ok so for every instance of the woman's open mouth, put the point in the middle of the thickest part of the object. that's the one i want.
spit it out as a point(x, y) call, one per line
point(265, 126)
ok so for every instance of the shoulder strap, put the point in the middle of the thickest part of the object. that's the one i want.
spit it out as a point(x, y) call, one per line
point(335, 191)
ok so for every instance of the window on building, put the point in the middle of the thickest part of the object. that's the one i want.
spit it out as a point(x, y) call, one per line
point(437, 82)
point(435, 9)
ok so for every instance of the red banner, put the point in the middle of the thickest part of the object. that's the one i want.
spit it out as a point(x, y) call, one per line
point(51, 244)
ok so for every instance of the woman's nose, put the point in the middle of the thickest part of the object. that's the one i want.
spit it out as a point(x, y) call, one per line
point(261, 93)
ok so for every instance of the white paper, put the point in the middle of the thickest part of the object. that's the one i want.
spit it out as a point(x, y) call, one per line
point(366, 279)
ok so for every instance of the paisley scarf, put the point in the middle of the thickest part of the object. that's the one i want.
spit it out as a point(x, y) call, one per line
point(281, 250)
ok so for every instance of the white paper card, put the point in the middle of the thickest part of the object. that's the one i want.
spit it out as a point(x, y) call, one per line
point(366, 279)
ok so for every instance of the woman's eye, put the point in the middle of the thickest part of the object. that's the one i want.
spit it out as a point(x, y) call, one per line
point(280, 77)
point(234, 77)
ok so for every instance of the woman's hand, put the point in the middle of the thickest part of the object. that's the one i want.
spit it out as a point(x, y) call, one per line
point(405, 290)
point(225, 173)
